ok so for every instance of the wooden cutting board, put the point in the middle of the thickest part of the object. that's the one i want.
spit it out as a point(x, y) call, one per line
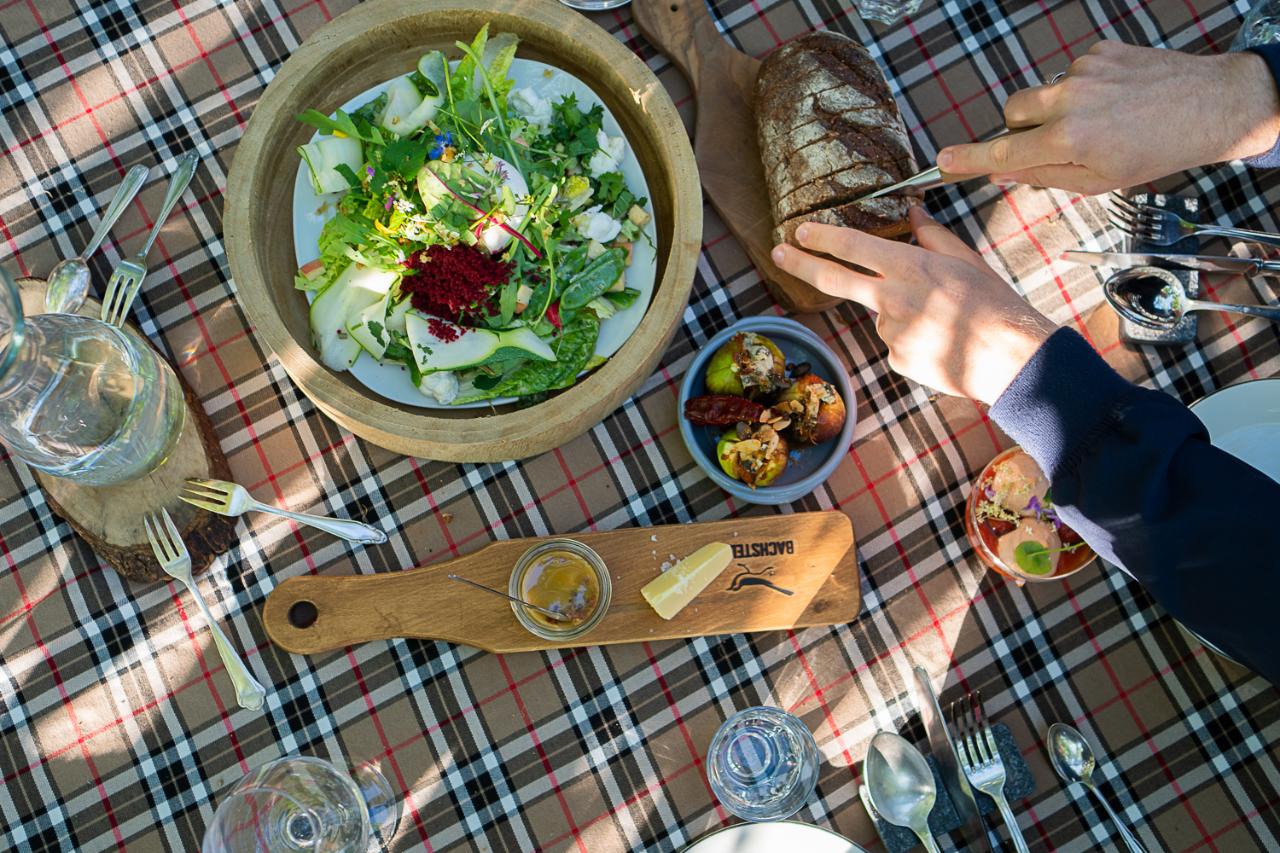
point(788, 571)
point(723, 80)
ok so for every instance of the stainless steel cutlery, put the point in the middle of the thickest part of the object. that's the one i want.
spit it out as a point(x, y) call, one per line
point(68, 282)
point(1165, 228)
point(981, 761)
point(1072, 759)
point(1206, 263)
point(230, 499)
point(171, 552)
point(127, 278)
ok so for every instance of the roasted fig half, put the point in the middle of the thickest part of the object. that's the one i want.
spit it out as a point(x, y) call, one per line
point(815, 408)
point(748, 365)
point(756, 459)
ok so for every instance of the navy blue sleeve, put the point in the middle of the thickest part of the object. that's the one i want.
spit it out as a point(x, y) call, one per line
point(1271, 55)
point(1133, 472)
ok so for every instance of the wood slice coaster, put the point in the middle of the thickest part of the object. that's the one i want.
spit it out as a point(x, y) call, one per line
point(109, 518)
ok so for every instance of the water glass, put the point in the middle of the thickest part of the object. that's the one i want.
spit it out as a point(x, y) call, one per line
point(886, 11)
point(304, 805)
point(763, 764)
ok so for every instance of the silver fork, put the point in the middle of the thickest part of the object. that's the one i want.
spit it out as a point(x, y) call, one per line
point(1164, 227)
point(980, 759)
point(171, 552)
point(126, 279)
point(231, 499)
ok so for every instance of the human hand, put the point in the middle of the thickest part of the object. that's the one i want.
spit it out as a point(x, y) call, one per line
point(950, 322)
point(1125, 115)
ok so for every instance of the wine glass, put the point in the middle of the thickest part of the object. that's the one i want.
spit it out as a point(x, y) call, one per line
point(299, 804)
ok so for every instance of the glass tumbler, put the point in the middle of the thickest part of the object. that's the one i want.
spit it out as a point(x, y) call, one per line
point(763, 764)
point(83, 399)
point(304, 805)
point(886, 11)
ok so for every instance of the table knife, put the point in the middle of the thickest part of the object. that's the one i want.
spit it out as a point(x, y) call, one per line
point(929, 179)
point(1211, 263)
point(973, 829)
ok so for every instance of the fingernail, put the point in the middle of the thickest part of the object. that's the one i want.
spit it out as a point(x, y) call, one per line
point(779, 254)
point(802, 233)
point(1002, 180)
point(944, 158)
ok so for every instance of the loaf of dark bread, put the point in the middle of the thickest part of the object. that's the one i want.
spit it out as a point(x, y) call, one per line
point(829, 134)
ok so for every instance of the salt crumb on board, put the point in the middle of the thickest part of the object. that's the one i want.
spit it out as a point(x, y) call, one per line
point(653, 538)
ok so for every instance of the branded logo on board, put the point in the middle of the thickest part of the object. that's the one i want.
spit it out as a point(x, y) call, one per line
point(757, 577)
point(772, 548)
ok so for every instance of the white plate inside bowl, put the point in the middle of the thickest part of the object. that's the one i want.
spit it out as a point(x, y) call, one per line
point(774, 837)
point(1244, 420)
point(311, 211)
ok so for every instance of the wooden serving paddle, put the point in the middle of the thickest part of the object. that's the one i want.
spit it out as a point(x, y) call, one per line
point(723, 80)
point(788, 571)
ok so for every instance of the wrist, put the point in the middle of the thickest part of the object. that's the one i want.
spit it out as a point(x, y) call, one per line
point(1250, 111)
point(1018, 341)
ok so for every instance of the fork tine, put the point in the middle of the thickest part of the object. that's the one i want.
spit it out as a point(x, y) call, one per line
point(199, 503)
point(219, 486)
point(1118, 201)
point(151, 537)
point(1126, 227)
point(175, 538)
point(109, 298)
point(205, 491)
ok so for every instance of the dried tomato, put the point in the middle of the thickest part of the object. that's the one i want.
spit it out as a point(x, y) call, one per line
point(722, 410)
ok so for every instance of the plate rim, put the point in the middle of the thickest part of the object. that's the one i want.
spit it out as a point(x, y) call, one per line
point(691, 846)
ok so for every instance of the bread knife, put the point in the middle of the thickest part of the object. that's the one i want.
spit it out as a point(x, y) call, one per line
point(1211, 263)
point(973, 829)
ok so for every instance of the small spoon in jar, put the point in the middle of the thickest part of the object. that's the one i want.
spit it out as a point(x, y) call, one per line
point(559, 617)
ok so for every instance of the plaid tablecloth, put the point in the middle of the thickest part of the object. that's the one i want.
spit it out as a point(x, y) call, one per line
point(119, 727)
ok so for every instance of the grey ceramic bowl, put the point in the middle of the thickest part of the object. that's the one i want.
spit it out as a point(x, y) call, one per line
point(807, 467)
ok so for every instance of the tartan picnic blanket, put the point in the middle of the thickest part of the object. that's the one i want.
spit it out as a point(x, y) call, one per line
point(118, 726)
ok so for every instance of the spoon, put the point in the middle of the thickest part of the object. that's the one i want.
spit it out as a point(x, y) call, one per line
point(69, 279)
point(1073, 760)
point(900, 785)
point(1155, 298)
point(559, 617)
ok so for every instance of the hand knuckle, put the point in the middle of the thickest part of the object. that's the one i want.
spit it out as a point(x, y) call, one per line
point(1001, 153)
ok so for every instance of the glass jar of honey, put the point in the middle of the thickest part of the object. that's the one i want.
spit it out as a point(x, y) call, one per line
point(563, 576)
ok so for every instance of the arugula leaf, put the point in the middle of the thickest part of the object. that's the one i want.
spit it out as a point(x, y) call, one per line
point(342, 124)
point(370, 110)
point(345, 171)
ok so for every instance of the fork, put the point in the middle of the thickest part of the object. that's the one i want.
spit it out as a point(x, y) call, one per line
point(980, 759)
point(1164, 227)
point(172, 554)
point(231, 499)
point(126, 279)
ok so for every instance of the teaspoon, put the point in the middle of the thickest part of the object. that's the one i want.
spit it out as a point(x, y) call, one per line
point(1073, 760)
point(1155, 298)
point(68, 282)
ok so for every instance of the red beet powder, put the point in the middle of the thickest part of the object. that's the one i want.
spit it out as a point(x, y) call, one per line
point(453, 283)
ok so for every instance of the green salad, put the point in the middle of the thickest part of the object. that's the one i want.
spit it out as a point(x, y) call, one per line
point(483, 233)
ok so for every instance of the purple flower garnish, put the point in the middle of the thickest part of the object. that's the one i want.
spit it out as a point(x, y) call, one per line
point(368, 170)
point(989, 492)
point(390, 202)
point(1035, 506)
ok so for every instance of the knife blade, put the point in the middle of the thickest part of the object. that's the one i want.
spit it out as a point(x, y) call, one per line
point(1211, 263)
point(973, 829)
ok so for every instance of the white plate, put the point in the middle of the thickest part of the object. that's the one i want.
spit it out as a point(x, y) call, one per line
point(1244, 420)
point(311, 211)
point(777, 837)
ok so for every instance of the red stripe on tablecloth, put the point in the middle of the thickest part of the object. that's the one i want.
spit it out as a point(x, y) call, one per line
point(204, 54)
point(820, 695)
point(169, 71)
point(13, 247)
point(542, 753)
point(67, 705)
point(1123, 694)
point(435, 508)
point(386, 746)
point(577, 493)
point(674, 707)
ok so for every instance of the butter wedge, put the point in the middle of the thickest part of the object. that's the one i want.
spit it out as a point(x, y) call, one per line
point(677, 586)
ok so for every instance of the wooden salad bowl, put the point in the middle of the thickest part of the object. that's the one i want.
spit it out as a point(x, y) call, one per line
point(382, 39)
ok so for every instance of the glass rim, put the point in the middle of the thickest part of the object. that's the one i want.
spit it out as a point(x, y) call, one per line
point(809, 745)
point(10, 301)
point(593, 559)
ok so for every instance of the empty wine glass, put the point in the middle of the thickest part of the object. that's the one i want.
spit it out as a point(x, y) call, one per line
point(304, 805)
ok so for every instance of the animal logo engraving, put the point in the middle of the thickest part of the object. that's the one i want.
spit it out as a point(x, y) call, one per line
point(759, 577)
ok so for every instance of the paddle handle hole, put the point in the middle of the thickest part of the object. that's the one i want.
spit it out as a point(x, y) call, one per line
point(303, 614)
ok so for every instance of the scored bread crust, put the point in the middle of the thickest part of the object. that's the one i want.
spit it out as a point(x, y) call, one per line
point(829, 133)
